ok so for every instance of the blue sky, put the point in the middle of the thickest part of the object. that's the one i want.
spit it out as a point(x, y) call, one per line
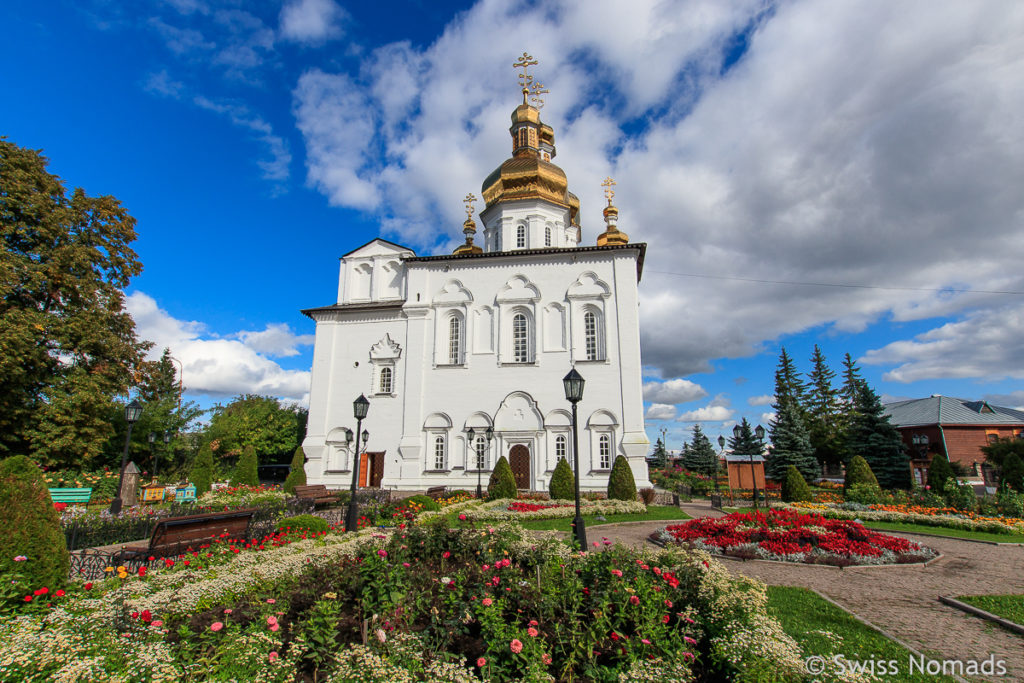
point(771, 155)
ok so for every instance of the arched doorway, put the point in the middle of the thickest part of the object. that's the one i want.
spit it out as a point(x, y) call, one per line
point(519, 460)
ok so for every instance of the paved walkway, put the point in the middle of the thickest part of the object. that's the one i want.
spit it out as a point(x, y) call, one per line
point(901, 600)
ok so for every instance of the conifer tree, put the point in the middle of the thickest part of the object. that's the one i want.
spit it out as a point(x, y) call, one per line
point(747, 442)
point(847, 404)
point(202, 470)
point(660, 455)
point(297, 474)
point(790, 445)
point(621, 485)
point(794, 487)
point(823, 412)
point(33, 531)
point(939, 471)
point(789, 388)
point(858, 472)
point(563, 485)
point(873, 437)
point(502, 483)
point(245, 472)
point(700, 456)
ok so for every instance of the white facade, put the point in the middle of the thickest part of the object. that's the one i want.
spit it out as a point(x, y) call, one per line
point(442, 344)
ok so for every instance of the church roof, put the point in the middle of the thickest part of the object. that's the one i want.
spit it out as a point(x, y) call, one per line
point(639, 246)
point(947, 410)
point(363, 306)
point(377, 239)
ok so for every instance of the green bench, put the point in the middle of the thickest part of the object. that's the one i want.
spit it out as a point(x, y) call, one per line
point(70, 495)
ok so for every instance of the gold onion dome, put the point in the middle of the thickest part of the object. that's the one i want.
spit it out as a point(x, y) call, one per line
point(612, 235)
point(468, 229)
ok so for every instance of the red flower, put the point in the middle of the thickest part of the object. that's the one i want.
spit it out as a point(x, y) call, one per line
point(28, 598)
point(634, 600)
point(88, 586)
point(146, 616)
point(41, 591)
point(59, 593)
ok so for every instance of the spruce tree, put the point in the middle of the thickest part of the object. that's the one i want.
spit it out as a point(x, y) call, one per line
point(847, 405)
point(823, 412)
point(747, 442)
point(245, 472)
point(700, 456)
point(202, 470)
point(790, 445)
point(874, 438)
point(789, 388)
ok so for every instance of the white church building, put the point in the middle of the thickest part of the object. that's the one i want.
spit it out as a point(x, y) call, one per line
point(482, 338)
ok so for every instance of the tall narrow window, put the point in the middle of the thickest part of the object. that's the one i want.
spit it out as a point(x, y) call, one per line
point(385, 380)
point(455, 340)
point(520, 236)
point(604, 450)
point(481, 452)
point(590, 335)
point(439, 453)
point(547, 237)
point(520, 339)
point(560, 447)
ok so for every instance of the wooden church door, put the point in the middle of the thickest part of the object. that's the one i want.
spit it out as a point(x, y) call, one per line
point(519, 460)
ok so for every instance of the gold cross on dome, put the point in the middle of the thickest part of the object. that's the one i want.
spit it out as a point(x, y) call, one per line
point(525, 79)
point(608, 191)
point(537, 90)
point(468, 201)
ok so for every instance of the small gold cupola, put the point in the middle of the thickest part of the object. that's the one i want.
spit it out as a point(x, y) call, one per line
point(611, 235)
point(469, 229)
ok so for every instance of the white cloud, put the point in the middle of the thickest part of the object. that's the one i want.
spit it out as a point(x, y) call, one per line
point(673, 391)
point(985, 344)
point(161, 83)
point(277, 159)
point(709, 413)
point(1014, 399)
point(660, 411)
point(312, 22)
point(768, 418)
point(218, 367)
point(276, 340)
point(763, 400)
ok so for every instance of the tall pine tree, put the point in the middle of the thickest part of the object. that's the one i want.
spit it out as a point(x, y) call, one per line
point(847, 405)
point(747, 442)
point(823, 412)
point(699, 455)
point(873, 437)
point(790, 445)
point(788, 385)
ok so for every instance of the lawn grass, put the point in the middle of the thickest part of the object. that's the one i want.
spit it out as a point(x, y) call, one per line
point(1009, 607)
point(654, 513)
point(944, 531)
point(804, 615)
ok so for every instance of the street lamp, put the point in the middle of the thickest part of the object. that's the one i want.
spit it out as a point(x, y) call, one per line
point(489, 435)
point(573, 384)
point(152, 440)
point(721, 448)
point(471, 435)
point(360, 407)
point(737, 431)
point(132, 413)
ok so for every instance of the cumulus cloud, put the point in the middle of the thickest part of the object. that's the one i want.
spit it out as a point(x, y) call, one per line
point(673, 391)
point(710, 413)
point(312, 22)
point(221, 367)
point(660, 411)
point(768, 418)
point(773, 179)
point(1014, 399)
point(276, 340)
point(763, 400)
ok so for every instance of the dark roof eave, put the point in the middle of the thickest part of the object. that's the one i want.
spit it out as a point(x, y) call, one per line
point(369, 306)
point(638, 246)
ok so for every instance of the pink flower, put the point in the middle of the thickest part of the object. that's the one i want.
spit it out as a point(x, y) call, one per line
point(487, 602)
point(158, 623)
point(495, 580)
point(689, 641)
point(645, 641)
point(216, 626)
point(272, 656)
point(546, 658)
point(533, 622)
point(271, 601)
point(616, 572)
point(485, 567)
point(634, 600)
point(271, 620)
point(462, 518)
point(516, 646)
point(532, 632)
point(275, 627)
point(382, 553)
point(227, 611)
point(406, 565)
point(481, 662)
point(665, 618)
point(20, 558)
point(668, 603)
point(596, 544)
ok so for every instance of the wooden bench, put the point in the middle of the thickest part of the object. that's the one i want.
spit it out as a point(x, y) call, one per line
point(316, 493)
point(70, 495)
point(175, 535)
point(436, 492)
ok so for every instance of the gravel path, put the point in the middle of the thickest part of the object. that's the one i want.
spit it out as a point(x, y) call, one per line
point(902, 600)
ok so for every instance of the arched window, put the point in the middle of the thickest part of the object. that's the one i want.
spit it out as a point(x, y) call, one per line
point(547, 237)
point(520, 339)
point(604, 450)
point(481, 452)
point(455, 340)
point(520, 236)
point(560, 447)
point(439, 452)
point(523, 137)
point(590, 338)
point(384, 384)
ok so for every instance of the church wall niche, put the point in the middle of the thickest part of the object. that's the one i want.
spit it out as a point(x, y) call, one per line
point(361, 281)
point(392, 280)
point(554, 327)
point(483, 330)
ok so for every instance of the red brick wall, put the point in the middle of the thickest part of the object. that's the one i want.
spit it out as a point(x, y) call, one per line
point(964, 443)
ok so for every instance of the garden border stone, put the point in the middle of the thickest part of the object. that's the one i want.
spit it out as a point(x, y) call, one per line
point(978, 612)
point(951, 538)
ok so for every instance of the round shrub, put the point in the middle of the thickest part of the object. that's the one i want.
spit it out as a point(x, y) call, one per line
point(425, 502)
point(621, 485)
point(245, 472)
point(502, 483)
point(305, 523)
point(938, 472)
point(859, 472)
point(795, 487)
point(33, 529)
point(297, 475)
point(202, 470)
point(1013, 473)
point(562, 486)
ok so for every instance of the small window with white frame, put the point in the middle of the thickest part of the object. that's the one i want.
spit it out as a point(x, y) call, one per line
point(520, 338)
point(456, 340)
point(547, 236)
point(604, 452)
point(560, 447)
point(440, 452)
point(385, 380)
point(520, 237)
point(480, 446)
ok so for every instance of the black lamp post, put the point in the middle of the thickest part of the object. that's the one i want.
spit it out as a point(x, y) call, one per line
point(152, 446)
point(360, 407)
point(573, 384)
point(721, 448)
point(489, 434)
point(471, 435)
point(132, 413)
point(167, 445)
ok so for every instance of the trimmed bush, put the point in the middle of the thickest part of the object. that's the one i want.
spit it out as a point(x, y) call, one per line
point(33, 530)
point(202, 470)
point(425, 502)
point(297, 476)
point(1013, 473)
point(245, 471)
point(305, 523)
point(563, 486)
point(502, 483)
point(620, 484)
point(859, 472)
point(795, 487)
point(938, 472)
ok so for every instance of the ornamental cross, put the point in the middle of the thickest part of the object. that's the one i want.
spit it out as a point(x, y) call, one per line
point(537, 91)
point(608, 191)
point(525, 79)
point(468, 201)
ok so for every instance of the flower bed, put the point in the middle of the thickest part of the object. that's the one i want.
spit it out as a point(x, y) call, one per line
point(913, 514)
point(507, 509)
point(789, 536)
point(423, 603)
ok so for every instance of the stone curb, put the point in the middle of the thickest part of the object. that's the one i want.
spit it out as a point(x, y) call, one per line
point(978, 612)
point(949, 538)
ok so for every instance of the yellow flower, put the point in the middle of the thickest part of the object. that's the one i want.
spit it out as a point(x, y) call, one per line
point(109, 569)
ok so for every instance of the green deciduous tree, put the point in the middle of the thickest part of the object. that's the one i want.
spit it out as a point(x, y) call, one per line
point(1012, 475)
point(790, 445)
point(874, 438)
point(563, 486)
point(67, 344)
point(258, 421)
point(824, 423)
point(996, 453)
point(621, 485)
